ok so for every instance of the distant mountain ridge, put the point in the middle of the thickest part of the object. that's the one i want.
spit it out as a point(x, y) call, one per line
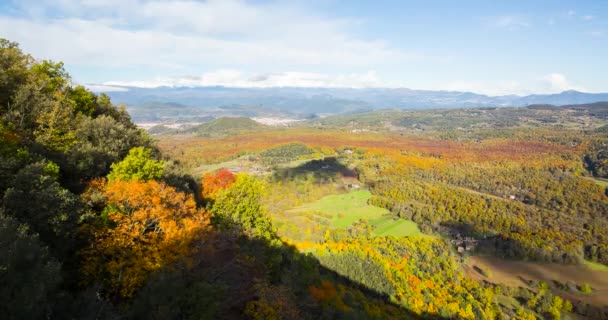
point(307, 101)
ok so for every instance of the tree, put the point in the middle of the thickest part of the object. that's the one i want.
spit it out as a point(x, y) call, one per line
point(36, 198)
point(12, 156)
point(586, 288)
point(146, 226)
point(101, 142)
point(14, 66)
point(56, 123)
point(85, 101)
point(239, 207)
point(53, 75)
point(120, 114)
point(214, 182)
point(30, 275)
point(137, 165)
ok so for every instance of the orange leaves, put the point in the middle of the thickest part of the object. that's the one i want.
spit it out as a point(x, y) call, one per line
point(151, 226)
point(325, 292)
point(214, 182)
point(413, 280)
point(420, 152)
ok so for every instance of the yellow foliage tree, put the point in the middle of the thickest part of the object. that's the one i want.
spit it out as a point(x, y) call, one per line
point(149, 225)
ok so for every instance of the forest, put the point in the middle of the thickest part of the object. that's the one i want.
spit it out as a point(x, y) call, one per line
point(347, 217)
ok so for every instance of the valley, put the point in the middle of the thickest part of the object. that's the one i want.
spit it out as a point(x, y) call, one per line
point(491, 178)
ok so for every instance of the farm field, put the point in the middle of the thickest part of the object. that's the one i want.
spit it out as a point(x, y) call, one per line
point(344, 209)
point(341, 211)
point(391, 226)
point(517, 273)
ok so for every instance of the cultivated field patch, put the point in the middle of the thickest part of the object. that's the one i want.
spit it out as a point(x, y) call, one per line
point(518, 273)
point(342, 210)
point(392, 226)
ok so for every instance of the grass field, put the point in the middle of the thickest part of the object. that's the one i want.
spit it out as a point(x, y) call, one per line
point(345, 209)
point(389, 226)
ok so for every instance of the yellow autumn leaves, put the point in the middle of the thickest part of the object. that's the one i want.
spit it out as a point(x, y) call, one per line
point(148, 225)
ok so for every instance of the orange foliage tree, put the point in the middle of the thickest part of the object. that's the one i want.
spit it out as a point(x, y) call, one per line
point(148, 225)
point(214, 182)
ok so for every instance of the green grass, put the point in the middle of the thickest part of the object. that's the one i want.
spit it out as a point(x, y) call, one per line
point(382, 220)
point(345, 209)
point(596, 266)
point(396, 228)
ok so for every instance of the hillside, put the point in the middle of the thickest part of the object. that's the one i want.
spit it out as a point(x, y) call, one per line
point(226, 126)
point(467, 121)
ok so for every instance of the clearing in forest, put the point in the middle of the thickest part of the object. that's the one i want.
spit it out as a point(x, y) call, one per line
point(344, 209)
point(396, 227)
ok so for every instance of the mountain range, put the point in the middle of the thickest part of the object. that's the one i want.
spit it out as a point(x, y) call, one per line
point(151, 104)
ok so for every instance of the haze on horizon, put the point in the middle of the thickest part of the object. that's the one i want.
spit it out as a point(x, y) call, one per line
point(514, 47)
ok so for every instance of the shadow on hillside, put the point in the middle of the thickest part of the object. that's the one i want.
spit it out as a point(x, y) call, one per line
point(324, 170)
point(233, 277)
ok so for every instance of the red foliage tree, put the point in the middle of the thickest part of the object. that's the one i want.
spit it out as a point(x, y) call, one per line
point(216, 181)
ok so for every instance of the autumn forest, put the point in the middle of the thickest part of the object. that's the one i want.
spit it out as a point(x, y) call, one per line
point(479, 213)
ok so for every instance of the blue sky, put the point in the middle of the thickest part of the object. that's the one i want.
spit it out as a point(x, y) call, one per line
point(492, 47)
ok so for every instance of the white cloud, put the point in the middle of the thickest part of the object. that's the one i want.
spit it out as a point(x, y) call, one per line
point(557, 82)
point(104, 88)
point(235, 78)
point(180, 35)
point(551, 83)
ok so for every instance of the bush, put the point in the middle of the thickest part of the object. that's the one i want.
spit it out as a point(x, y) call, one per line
point(586, 289)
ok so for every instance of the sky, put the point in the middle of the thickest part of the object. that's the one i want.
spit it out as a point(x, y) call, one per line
point(490, 47)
